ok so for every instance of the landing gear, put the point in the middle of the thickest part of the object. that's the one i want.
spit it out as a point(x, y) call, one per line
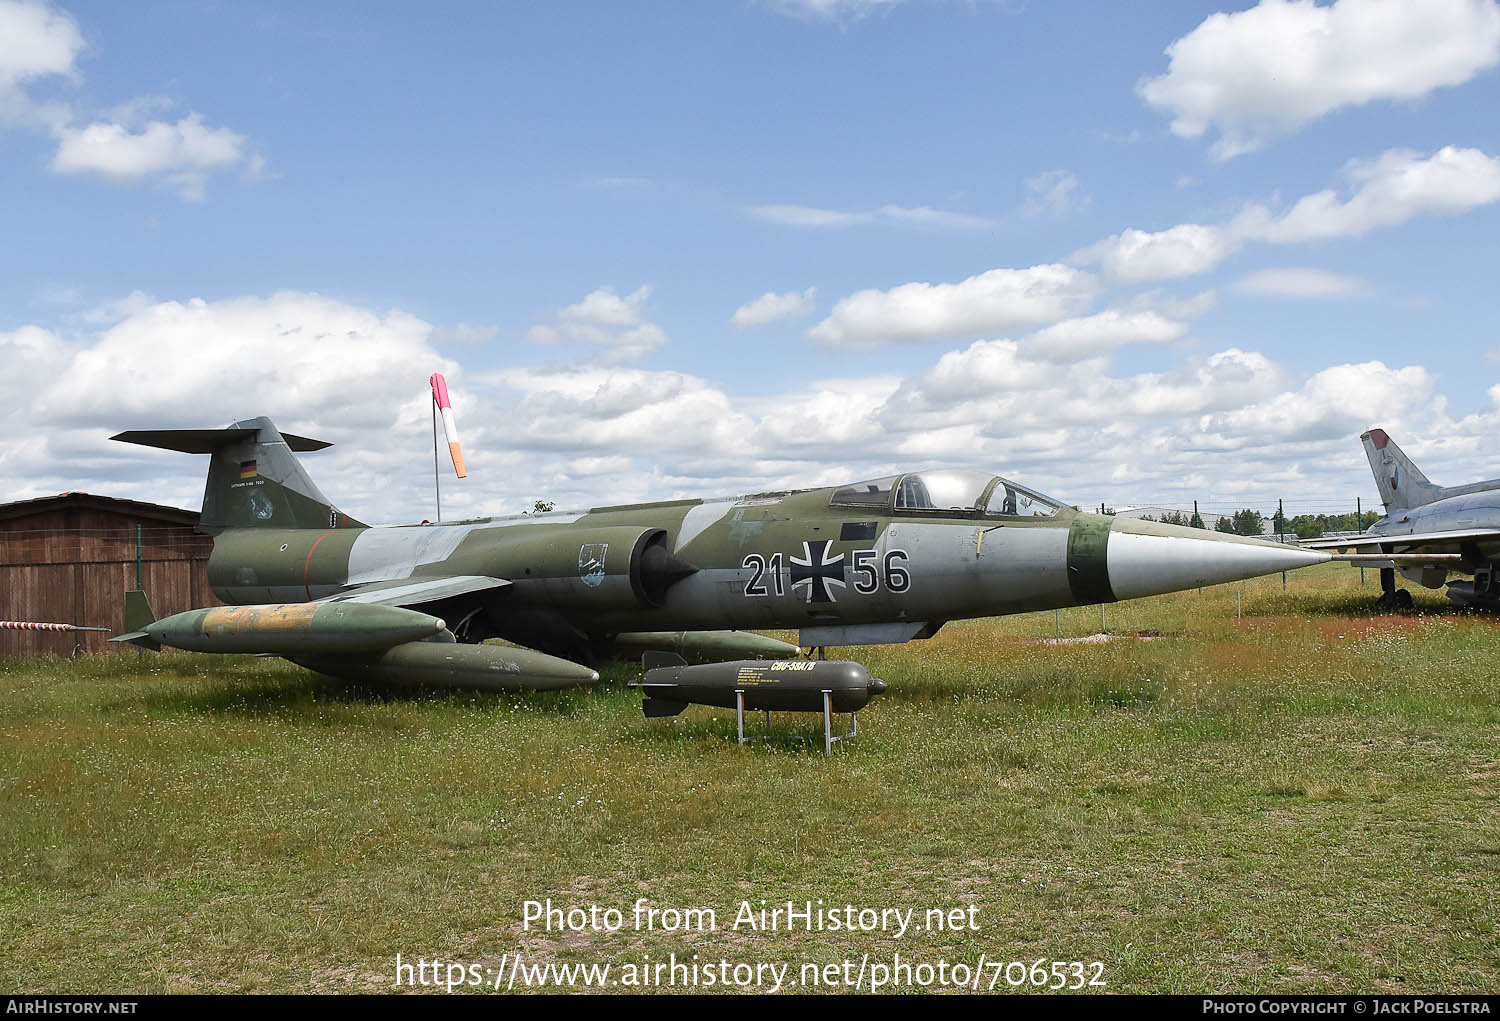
point(1392, 598)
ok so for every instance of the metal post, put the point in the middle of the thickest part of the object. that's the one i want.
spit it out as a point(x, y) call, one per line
point(1057, 625)
point(827, 722)
point(739, 712)
point(1236, 604)
point(1359, 521)
point(138, 586)
point(437, 487)
point(1103, 627)
point(1281, 535)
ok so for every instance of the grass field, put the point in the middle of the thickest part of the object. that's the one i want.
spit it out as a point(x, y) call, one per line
point(1307, 800)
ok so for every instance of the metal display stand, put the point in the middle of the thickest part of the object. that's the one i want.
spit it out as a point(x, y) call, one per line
point(829, 737)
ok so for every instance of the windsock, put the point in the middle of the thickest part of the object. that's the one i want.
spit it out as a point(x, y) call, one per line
point(450, 427)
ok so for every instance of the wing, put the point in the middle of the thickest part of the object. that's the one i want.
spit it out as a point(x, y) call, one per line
point(1365, 540)
point(408, 592)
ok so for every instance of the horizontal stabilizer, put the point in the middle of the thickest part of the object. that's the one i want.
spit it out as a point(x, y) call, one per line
point(659, 707)
point(655, 659)
point(206, 441)
point(138, 638)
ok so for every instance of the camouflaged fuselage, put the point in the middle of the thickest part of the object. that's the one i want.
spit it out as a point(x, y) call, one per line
point(786, 560)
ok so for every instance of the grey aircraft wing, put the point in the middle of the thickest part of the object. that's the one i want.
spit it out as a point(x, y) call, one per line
point(408, 592)
point(1455, 535)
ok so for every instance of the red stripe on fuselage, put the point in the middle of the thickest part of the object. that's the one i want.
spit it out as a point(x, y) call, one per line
point(307, 564)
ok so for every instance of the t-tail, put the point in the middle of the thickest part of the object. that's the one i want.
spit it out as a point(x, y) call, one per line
point(1402, 484)
point(254, 478)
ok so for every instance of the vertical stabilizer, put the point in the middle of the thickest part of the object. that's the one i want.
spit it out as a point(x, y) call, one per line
point(1402, 484)
point(138, 613)
point(254, 479)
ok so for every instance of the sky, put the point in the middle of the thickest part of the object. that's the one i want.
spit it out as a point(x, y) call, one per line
point(1123, 253)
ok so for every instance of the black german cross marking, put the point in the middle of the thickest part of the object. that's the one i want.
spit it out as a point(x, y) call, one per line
point(817, 573)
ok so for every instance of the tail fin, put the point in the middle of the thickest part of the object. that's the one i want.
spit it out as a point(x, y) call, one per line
point(254, 480)
point(138, 617)
point(1402, 484)
point(138, 614)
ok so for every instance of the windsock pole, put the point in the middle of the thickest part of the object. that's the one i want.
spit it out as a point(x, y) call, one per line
point(441, 405)
point(437, 487)
point(450, 427)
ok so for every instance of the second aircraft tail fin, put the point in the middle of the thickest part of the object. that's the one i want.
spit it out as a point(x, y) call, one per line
point(1402, 484)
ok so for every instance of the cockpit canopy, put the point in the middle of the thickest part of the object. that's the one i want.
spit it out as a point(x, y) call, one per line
point(947, 490)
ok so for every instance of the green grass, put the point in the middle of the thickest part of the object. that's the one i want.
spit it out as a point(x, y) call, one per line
point(1304, 801)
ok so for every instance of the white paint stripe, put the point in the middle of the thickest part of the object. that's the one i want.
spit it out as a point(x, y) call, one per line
point(697, 520)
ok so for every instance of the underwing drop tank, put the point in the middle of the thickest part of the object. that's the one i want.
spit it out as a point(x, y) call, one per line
point(704, 646)
point(446, 664)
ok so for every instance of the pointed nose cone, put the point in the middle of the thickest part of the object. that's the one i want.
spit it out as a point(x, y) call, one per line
point(1170, 559)
point(877, 687)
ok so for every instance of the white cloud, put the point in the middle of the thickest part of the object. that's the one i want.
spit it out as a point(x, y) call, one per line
point(1390, 189)
point(608, 320)
point(38, 41)
point(1334, 404)
point(1053, 193)
point(992, 302)
point(808, 216)
point(1135, 255)
point(1102, 332)
point(183, 155)
point(771, 306)
point(316, 365)
point(621, 412)
point(1302, 282)
point(591, 436)
point(831, 10)
point(813, 217)
point(1265, 72)
point(926, 216)
point(289, 353)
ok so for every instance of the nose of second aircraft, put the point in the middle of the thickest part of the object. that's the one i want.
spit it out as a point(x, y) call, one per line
point(1150, 559)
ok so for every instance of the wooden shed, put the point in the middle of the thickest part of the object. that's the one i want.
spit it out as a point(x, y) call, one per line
point(70, 559)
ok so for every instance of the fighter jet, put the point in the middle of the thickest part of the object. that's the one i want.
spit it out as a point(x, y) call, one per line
point(1428, 531)
point(886, 560)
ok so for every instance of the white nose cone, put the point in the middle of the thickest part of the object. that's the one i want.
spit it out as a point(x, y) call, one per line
point(1148, 565)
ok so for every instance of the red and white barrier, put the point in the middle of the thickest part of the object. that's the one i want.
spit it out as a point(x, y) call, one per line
point(36, 625)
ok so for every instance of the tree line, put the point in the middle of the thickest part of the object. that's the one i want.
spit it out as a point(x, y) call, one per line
point(1251, 522)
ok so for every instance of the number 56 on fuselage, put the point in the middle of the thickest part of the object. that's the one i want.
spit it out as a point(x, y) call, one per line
point(887, 560)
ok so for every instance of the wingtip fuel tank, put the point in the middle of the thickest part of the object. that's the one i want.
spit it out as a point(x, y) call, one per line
point(281, 628)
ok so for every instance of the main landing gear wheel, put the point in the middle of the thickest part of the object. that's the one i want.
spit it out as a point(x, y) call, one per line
point(1391, 598)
